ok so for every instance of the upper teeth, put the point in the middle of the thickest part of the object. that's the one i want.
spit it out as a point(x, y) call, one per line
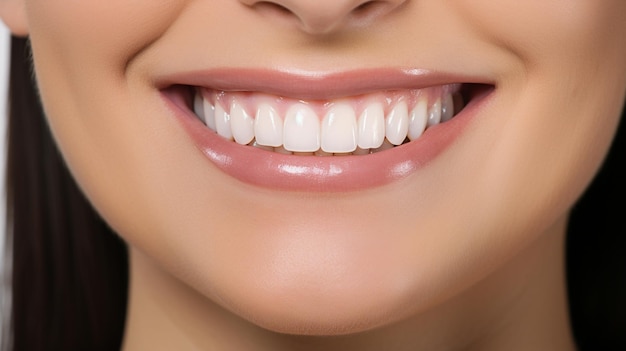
point(357, 125)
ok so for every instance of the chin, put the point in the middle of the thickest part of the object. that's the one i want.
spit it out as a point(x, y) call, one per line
point(325, 310)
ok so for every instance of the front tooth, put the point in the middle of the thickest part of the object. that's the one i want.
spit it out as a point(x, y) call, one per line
point(198, 109)
point(222, 122)
point(241, 123)
point(301, 129)
point(417, 119)
point(268, 126)
point(372, 127)
point(397, 124)
point(339, 128)
point(209, 114)
point(447, 108)
point(434, 114)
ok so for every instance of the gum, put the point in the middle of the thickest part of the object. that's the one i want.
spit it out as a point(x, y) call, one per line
point(251, 100)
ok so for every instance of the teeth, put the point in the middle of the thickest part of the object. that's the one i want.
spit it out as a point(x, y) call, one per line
point(418, 119)
point(209, 114)
point(397, 124)
point(447, 108)
point(268, 126)
point(372, 126)
point(301, 131)
point(263, 147)
point(434, 114)
point(198, 107)
point(321, 152)
point(241, 124)
point(282, 150)
point(339, 129)
point(360, 151)
point(385, 146)
point(340, 132)
point(222, 122)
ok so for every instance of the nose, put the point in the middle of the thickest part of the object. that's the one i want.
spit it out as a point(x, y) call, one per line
point(326, 16)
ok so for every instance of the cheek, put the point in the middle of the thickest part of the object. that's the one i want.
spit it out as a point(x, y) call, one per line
point(100, 122)
point(110, 32)
point(561, 98)
point(82, 51)
point(537, 31)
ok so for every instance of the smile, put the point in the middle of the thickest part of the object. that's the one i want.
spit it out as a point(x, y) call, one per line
point(349, 126)
point(270, 137)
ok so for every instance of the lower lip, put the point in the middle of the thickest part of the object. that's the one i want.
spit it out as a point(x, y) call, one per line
point(277, 171)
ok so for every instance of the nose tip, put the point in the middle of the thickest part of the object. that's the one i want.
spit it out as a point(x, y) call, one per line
point(326, 16)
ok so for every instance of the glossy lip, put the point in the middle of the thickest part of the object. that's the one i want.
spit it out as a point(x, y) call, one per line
point(316, 173)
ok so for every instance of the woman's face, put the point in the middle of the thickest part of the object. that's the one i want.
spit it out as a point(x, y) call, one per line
point(311, 244)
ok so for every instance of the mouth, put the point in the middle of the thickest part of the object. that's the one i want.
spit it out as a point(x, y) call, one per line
point(326, 133)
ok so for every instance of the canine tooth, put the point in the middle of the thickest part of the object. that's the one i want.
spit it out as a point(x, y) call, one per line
point(339, 129)
point(434, 113)
point(268, 126)
point(397, 123)
point(209, 114)
point(198, 109)
point(447, 108)
point(371, 126)
point(241, 124)
point(301, 129)
point(222, 122)
point(417, 119)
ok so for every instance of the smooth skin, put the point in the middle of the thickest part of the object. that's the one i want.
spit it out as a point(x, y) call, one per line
point(465, 254)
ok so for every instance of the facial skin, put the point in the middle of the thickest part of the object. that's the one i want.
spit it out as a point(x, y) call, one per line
point(471, 228)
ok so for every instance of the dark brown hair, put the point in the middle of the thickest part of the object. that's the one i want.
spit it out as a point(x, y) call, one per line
point(70, 274)
point(69, 270)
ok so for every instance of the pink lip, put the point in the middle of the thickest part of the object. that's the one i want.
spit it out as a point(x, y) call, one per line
point(315, 173)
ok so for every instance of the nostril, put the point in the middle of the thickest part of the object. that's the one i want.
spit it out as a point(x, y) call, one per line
point(366, 7)
point(272, 8)
point(369, 9)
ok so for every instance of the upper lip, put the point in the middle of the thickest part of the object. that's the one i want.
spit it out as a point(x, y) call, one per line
point(314, 85)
